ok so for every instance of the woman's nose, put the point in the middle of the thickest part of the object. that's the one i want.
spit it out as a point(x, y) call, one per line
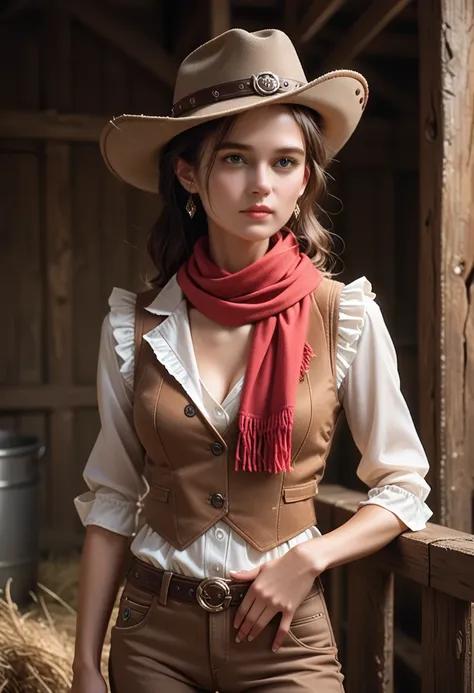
point(261, 182)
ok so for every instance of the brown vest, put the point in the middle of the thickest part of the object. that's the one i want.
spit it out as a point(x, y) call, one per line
point(190, 467)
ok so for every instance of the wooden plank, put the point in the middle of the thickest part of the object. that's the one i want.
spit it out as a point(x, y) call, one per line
point(316, 17)
point(45, 397)
point(452, 566)
point(8, 271)
point(446, 253)
point(220, 17)
point(374, 20)
point(59, 266)
point(370, 606)
point(133, 42)
point(50, 125)
point(115, 194)
point(446, 644)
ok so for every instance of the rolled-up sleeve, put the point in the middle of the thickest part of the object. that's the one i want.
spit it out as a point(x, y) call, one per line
point(393, 463)
point(113, 472)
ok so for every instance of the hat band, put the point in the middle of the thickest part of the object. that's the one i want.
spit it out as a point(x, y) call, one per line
point(263, 84)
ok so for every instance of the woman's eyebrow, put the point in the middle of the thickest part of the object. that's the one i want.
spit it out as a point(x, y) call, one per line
point(249, 148)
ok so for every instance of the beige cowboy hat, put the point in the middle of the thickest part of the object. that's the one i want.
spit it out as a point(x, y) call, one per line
point(233, 72)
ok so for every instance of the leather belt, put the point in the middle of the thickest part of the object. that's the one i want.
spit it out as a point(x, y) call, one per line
point(212, 594)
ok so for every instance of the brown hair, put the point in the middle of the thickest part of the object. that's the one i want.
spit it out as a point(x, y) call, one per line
point(174, 234)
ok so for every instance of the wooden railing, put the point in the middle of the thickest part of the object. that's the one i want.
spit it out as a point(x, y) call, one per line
point(439, 559)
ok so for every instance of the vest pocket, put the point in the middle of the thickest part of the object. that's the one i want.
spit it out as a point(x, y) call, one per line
point(293, 494)
point(160, 493)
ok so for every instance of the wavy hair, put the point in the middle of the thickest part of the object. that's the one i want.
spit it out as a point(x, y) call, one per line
point(172, 237)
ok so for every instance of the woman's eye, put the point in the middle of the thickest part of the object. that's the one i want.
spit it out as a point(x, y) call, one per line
point(285, 162)
point(234, 158)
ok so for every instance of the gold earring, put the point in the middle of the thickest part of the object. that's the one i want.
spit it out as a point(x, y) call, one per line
point(297, 211)
point(191, 206)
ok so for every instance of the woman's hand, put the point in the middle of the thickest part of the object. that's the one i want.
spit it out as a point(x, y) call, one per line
point(88, 680)
point(279, 585)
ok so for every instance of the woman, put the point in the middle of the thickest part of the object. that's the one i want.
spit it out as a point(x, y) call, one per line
point(214, 474)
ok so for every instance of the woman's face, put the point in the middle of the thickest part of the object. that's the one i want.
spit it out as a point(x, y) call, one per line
point(257, 177)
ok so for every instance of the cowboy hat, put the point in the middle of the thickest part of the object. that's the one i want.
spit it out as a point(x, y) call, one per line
point(232, 73)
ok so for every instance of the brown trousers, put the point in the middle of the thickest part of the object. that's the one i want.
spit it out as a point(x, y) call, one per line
point(180, 647)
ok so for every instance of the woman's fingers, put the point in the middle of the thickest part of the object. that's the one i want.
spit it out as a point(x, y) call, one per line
point(244, 608)
point(253, 615)
point(263, 621)
point(285, 623)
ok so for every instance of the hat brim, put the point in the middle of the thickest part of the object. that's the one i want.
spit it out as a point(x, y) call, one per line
point(130, 144)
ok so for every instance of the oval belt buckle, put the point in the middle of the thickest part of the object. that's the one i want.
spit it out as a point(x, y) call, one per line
point(213, 594)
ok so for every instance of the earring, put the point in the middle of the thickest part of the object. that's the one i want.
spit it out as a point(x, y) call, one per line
point(191, 206)
point(297, 211)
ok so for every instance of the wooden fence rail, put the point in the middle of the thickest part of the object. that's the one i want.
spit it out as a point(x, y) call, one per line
point(439, 559)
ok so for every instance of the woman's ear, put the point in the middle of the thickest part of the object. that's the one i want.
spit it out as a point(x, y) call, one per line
point(307, 173)
point(186, 175)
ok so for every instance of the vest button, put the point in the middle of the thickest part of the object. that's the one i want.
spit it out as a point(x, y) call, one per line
point(189, 410)
point(217, 500)
point(217, 449)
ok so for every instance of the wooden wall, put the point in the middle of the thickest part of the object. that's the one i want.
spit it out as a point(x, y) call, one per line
point(70, 232)
point(375, 212)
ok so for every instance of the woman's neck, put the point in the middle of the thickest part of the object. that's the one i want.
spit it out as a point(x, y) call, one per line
point(232, 253)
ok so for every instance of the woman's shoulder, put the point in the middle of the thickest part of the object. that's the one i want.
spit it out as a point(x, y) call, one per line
point(355, 304)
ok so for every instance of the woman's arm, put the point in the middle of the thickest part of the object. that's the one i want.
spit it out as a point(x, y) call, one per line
point(110, 509)
point(102, 566)
point(368, 531)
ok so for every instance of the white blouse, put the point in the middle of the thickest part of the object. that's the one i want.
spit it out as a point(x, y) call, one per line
point(393, 464)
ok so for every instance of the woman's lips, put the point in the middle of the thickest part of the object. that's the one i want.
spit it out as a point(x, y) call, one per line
point(257, 215)
point(257, 212)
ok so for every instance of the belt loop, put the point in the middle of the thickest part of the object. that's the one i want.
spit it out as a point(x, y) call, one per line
point(165, 583)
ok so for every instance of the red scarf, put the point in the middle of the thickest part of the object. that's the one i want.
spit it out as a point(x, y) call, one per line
point(273, 292)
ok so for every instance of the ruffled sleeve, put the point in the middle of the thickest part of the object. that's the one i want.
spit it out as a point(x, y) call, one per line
point(113, 472)
point(122, 321)
point(352, 309)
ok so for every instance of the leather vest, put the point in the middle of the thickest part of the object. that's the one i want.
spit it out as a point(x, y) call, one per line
point(190, 467)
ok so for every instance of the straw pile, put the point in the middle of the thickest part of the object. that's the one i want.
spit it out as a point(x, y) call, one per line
point(36, 645)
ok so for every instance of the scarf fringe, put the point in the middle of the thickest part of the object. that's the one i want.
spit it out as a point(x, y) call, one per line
point(307, 356)
point(264, 445)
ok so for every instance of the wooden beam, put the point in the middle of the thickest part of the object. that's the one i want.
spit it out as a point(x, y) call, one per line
point(50, 125)
point(220, 17)
point(316, 17)
point(368, 26)
point(133, 42)
point(46, 397)
point(390, 44)
point(446, 266)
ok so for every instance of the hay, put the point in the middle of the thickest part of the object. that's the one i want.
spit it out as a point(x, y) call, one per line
point(37, 645)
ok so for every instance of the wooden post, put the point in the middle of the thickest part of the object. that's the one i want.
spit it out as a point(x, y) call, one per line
point(446, 643)
point(369, 651)
point(446, 339)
